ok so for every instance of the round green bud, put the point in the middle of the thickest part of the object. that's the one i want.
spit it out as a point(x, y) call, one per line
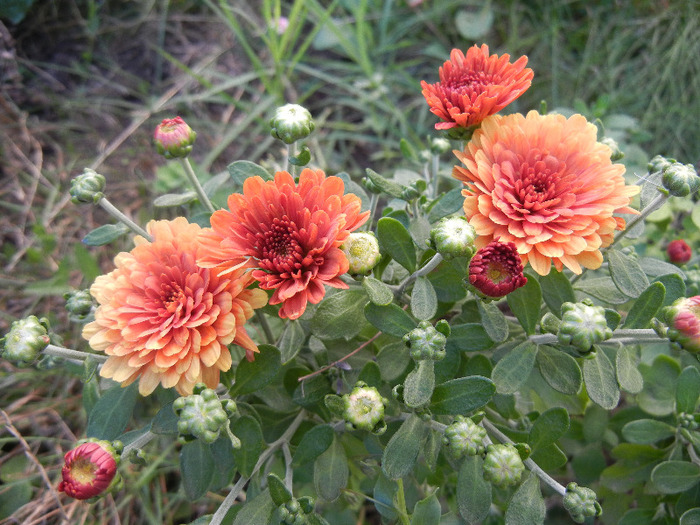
point(550, 323)
point(79, 304)
point(291, 122)
point(200, 415)
point(426, 342)
point(362, 251)
point(688, 421)
point(615, 151)
point(453, 237)
point(87, 188)
point(440, 145)
point(364, 409)
point(659, 163)
point(25, 340)
point(680, 180)
point(581, 502)
point(503, 465)
point(583, 325)
point(464, 438)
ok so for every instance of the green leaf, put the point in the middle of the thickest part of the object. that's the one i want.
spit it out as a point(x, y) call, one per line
point(331, 471)
point(253, 375)
point(391, 319)
point(419, 384)
point(645, 308)
point(494, 321)
point(402, 450)
point(378, 292)
point(628, 375)
point(291, 341)
point(447, 204)
point(407, 150)
point(600, 379)
point(634, 466)
point(655, 267)
point(687, 390)
point(314, 443)
point(165, 421)
point(105, 234)
point(427, 511)
point(214, 183)
point(474, 24)
point(692, 516)
point(174, 199)
point(525, 303)
point(278, 491)
point(395, 240)
point(248, 430)
point(423, 300)
point(393, 360)
point(602, 288)
point(549, 457)
point(559, 370)
point(658, 397)
point(556, 290)
point(626, 273)
point(674, 285)
point(462, 395)
point(511, 372)
point(240, 170)
point(112, 412)
point(340, 316)
point(647, 431)
point(468, 337)
point(548, 427)
point(473, 492)
point(385, 185)
point(257, 511)
point(197, 467)
point(527, 507)
point(672, 477)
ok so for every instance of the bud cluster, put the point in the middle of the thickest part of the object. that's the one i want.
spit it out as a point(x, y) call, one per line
point(581, 502)
point(25, 340)
point(202, 415)
point(294, 511)
point(465, 438)
point(426, 342)
point(583, 325)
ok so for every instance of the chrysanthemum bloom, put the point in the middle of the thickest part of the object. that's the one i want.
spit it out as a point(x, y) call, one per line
point(496, 269)
point(474, 86)
point(89, 470)
point(683, 319)
point(167, 320)
point(544, 183)
point(679, 252)
point(290, 233)
point(174, 138)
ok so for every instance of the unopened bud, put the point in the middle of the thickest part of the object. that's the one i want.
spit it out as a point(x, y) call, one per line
point(87, 188)
point(174, 138)
point(364, 409)
point(583, 325)
point(683, 321)
point(25, 341)
point(679, 252)
point(453, 237)
point(426, 342)
point(615, 154)
point(362, 251)
point(440, 145)
point(79, 304)
point(291, 122)
point(680, 179)
point(465, 438)
point(90, 470)
point(202, 415)
point(581, 502)
point(659, 163)
point(503, 465)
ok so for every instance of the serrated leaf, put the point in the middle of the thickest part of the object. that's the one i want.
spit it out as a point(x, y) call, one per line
point(197, 467)
point(248, 430)
point(423, 300)
point(672, 477)
point(527, 507)
point(511, 372)
point(253, 375)
point(494, 321)
point(395, 240)
point(340, 316)
point(462, 395)
point(377, 291)
point(402, 450)
point(556, 290)
point(426, 511)
point(174, 199)
point(647, 431)
point(601, 382)
point(240, 170)
point(646, 306)
point(390, 319)
point(473, 492)
point(105, 234)
point(257, 511)
point(628, 375)
point(331, 471)
point(687, 390)
point(314, 443)
point(559, 370)
point(626, 273)
point(548, 427)
point(112, 412)
point(525, 303)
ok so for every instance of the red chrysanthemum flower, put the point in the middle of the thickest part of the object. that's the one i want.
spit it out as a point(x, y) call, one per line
point(544, 183)
point(290, 233)
point(474, 86)
point(88, 470)
point(164, 319)
point(679, 252)
point(496, 269)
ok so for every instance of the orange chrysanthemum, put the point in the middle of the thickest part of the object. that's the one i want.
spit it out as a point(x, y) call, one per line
point(167, 320)
point(544, 183)
point(474, 86)
point(289, 233)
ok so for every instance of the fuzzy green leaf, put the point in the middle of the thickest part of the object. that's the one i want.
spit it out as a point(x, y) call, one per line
point(419, 384)
point(423, 300)
point(601, 382)
point(628, 375)
point(278, 491)
point(390, 319)
point(105, 234)
point(378, 292)
point(626, 273)
point(253, 375)
point(556, 290)
point(687, 390)
point(525, 303)
point(340, 316)
point(468, 337)
point(248, 430)
point(197, 467)
point(331, 471)
point(174, 199)
point(112, 412)
point(675, 287)
point(527, 506)
point(291, 341)
point(513, 369)
point(647, 431)
point(402, 450)
point(257, 511)
point(548, 427)
point(691, 516)
point(426, 511)
point(240, 170)
point(672, 477)
point(494, 321)
point(391, 188)
point(646, 306)
point(461, 395)
point(658, 397)
point(473, 492)
point(561, 371)
point(395, 240)
point(314, 443)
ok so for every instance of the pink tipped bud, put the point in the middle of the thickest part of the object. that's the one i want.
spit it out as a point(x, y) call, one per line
point(496, 270)
point(174, 138)
point(679, 252)
point(89, 470)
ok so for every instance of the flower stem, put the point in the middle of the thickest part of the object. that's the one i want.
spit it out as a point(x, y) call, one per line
point(628, 335)
point(114, 212)
point(321, 370)
point(59, 351)
point(401, 503)
point(197, 186)
point(292, 152)
point(265, 326)
point(425, 270)
point(139, 442)
point(435, 165)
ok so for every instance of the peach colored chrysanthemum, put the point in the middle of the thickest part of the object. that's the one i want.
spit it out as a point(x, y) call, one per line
point(544, 183)
point(474, 86)
point(289, 233)
point(164, 319)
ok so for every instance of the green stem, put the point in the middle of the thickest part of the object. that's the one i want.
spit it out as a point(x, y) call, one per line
point(401, 503)
point(435, 165)
point(114, 212)
point(139, 442)
point(292, 152)
point(197, 186)
point(425, 270)
point(59, 351)
point(265, 326)
point(374, 199)
point(625, 335)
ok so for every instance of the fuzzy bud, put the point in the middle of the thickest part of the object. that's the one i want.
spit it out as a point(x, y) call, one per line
point(362, 251)
point(659, 163)
point(616, 153)
point(680, 180)
point(364, 409)
point(79, 304)
point(426, 342)
point(90, 469)
point(291, 122)
point(503, 465)
point(202, 415)
point(688, 421)
point(440, 146)
point(581, 502)
point(25, 340)
point(174, 138)
point(87, 188)
point(453, 237)
point(465, 438)
point(583, 325)
point(679, 252)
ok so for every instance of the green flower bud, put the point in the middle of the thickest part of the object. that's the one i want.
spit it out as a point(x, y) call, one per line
point(87, 188)
point(659, 163)
point(616, 154)
point(362, 251)
point(174, 138)
point(550, 323)
point(364, 409)
point(440, 145)
point(680, 179)
point(688, 421)
point(502, 465)
point(202, 415)
point(581, 502)
point(453, 237)
point(291, 122)
point(25, 340)
point(583, 325)
point(464, 438)
point(79, 304)
point(292, 513)
point(426, 342)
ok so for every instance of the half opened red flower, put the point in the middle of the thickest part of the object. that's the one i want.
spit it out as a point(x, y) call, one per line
point(496, 269)
point(679, 252)
point(164, 319)
point(289, 233)
point(544, 183)
point(89, 470)
point(474, 86)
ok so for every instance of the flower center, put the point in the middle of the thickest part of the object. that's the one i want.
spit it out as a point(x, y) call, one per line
point(279, 246)
point(83, 471)
point(172, 296)
point(471, 83)
point(497, 272)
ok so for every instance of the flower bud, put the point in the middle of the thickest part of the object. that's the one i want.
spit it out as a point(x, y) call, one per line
point(364, 409)
point(583, 325)
point(362, 251)
point(680, 179)
point(292, 513)
point(616, 153)
point(79, 304)
point(581, 502)
point(453, 237)
point(464, 438)
point(202, 415)
point(679, 252)
point(291, 122)
point(90, 470)
point(688, 421)
point(440, 145)
point(550, 323)
point(683, 323)
point(503, 465)
point(25, 340)
point(659, 163)
point(426, 342)
point(174, 138)
point(496, 270)
point(87, 188)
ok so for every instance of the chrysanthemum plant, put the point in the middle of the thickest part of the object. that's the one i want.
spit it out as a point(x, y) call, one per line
point(498, 346)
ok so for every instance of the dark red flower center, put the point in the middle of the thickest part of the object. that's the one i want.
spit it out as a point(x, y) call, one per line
point(280, 247)
point(496, 269)
point(469, 83)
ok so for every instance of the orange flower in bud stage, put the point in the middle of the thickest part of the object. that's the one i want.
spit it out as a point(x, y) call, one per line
point(544, 183)
point(88, 470)
point(164, 319)
point(474, 86)
point(289, 233)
